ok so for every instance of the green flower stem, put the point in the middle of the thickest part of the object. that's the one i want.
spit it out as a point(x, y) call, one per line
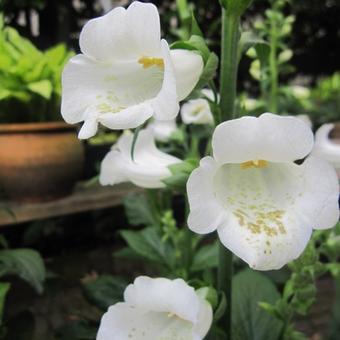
point(225, 274)
point(228, 92)
point(229, 64)
point(273, 67)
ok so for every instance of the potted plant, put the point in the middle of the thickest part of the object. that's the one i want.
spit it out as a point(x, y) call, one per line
point(40, 156)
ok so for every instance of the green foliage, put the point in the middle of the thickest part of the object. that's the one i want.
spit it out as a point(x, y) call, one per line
point(148, 244)
point(205, 257)
point(30, 80)
point(105, 290)
point(78, 330)
point(249, 320)
point(138, 210)
point(299, 291)
point(4, 288)
point(25, 263)
point(325, 100)
point(270, 63)
point(180, 173)
point(235, 7)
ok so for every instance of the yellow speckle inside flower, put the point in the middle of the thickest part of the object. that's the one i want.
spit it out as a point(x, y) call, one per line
point(270, 222)
point(148, 62)
point(260, 163)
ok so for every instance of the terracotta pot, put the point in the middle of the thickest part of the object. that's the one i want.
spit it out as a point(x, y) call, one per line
point(39, 161)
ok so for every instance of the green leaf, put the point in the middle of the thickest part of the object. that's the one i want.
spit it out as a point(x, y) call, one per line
point(205, 257)
point(4, 288)
point(249, 321)
point(180, 174)
point(149, 244)
point(235, 7)
point(249, 40)
point(195, 29)
point(209, 71)
point(195, 43)
point(104, 291)
point(42, 88)
point(25, 263)
point(138, 210)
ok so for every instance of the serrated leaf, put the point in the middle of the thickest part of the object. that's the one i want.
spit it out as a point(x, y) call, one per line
point(249, 321)
point(149, 244)
point(138, 210)
point(25, 263)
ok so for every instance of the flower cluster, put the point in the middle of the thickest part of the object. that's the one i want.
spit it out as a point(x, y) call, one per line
point(252, 191)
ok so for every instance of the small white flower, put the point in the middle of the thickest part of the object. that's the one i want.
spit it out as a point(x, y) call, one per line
point(197, 111)
point(126, 73)
point(162, 129)
point(262, 204)
point(325, 148)
point(148, 168)
point(157, 309)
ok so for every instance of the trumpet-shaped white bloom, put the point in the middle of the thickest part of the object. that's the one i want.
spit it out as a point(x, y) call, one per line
point(126, 73)
point(262, 204)
point(325, 148)
point(162, 129)
point(148, 167)
point(157, 309)
point(197, 111)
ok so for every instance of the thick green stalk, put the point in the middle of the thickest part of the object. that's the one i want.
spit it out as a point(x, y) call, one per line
point(228, 92)
point(273, 68)
point(225, 274)
point(229, 64)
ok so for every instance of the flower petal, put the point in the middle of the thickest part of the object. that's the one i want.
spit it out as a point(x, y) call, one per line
point(265, 223)
point(128, 118)
point(320, 201)
point(162, 129)
point(123, 34)
point(205, 319)
point(324, 147)
point(164, 295)
point(81, 85)
point(188, 69)
point(112, 170)
point(269, 137)
point(123, 322)
point(205, 212)
point(166, 106)
point(148, 168)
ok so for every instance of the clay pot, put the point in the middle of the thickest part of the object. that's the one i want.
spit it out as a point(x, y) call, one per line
point(39, 161)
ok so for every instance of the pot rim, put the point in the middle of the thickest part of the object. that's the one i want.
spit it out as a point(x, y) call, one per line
point(36, 127)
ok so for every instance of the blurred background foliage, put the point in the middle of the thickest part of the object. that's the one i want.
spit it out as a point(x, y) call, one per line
point(310, 47)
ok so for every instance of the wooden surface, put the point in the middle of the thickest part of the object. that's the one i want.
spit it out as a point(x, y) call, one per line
point(84, 199)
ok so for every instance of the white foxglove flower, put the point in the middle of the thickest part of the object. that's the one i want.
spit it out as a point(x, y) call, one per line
point(162, 129)
point(262, 204)
point(148, 167)
point(126, 73)
point(157, 309)
point(197, 111)
point(325, 148)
